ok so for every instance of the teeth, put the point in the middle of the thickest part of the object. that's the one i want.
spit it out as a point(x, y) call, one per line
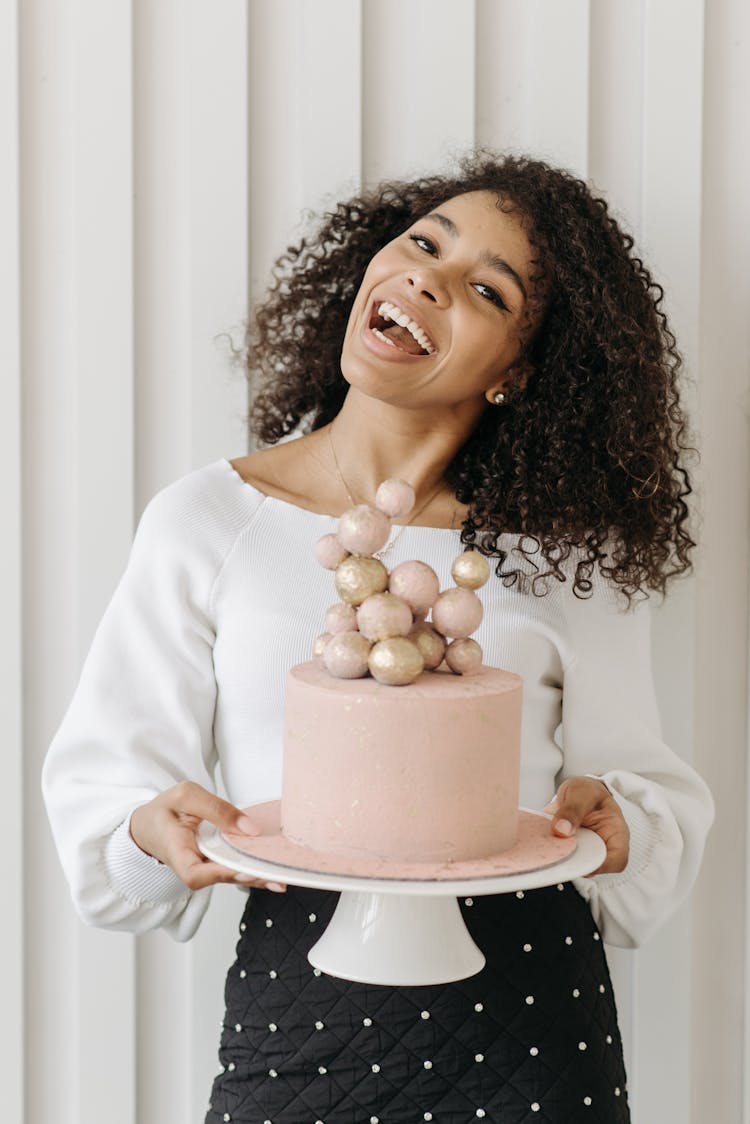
point(394, 313)
point(385, 339)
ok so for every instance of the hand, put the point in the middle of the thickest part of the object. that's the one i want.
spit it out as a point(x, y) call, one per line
point(165, 828)
point(587, 802)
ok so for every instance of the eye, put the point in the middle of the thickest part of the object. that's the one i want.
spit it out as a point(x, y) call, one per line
point(424, 243)
point(491, 295)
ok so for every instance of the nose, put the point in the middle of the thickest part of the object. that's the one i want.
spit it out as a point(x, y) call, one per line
point(427, 282)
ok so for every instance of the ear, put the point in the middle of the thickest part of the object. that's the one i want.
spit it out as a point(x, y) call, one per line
point(514, 379)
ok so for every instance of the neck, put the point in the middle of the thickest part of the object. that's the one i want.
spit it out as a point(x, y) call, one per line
point(372, 442)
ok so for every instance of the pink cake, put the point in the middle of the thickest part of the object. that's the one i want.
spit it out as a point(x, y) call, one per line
point(426, 772)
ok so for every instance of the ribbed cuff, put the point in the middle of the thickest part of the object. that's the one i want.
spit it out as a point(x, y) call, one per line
point(139, 877)
point(644, 834)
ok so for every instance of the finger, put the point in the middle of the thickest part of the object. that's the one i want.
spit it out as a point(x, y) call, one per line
point(200, 873)
point(576, 799)
point(190, 864)
point(616, 838)
point(251, 880)
point(195, 800)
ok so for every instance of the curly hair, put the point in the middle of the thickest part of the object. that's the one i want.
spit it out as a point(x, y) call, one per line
point(586, 461)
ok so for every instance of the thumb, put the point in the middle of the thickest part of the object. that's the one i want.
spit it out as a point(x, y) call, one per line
point(562, 824)
point(566, 814)
point(575, 799)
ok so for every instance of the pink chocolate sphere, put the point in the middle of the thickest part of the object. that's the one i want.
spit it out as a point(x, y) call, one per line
point(329, 552)
point(382, 616)
point(395, 498)
point(430, 643)
point(346, 654)
point(464, 656)
point(457, 612)
point(417, 584)
point(363, 529)
point(341, 618)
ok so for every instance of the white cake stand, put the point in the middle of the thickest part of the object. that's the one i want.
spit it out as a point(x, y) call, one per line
point(401, 933)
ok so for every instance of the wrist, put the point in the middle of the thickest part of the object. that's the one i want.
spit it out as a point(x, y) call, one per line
point(134, 816)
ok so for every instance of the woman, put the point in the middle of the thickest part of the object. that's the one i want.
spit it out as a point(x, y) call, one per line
point(491, 338)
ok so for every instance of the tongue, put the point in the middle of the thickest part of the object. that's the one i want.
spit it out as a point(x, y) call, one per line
point(402, 338)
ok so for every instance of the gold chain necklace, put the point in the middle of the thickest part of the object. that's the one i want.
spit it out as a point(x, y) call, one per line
point(390, 545)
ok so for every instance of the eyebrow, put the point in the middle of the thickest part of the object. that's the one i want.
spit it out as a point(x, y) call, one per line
point(494, 261)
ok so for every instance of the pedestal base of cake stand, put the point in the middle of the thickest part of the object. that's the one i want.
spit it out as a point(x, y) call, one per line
point(396, 939)
point(399, 932)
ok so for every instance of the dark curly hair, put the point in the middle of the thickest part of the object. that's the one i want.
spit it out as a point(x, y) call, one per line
point(586, 461)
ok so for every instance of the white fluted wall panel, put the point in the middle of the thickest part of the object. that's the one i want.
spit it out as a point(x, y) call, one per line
point(76, 324)
point(161, 154)
point(305, 110)
point(418, 85)
point(722, 927)
point(11, 701)
point(532, 89)
point(616, 100)
point(190, 175)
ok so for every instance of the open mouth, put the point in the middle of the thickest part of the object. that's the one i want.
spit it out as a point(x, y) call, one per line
point(391, 325)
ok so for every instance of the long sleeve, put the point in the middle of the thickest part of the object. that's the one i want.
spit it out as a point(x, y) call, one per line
point(141, 719)
point(611, 729)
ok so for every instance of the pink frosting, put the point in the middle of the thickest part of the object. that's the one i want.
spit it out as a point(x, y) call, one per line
point(427, 772)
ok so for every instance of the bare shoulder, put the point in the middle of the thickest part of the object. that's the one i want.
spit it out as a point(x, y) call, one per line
point(292, 471)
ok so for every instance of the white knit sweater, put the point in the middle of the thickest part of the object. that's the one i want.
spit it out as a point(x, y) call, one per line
point(222, 595)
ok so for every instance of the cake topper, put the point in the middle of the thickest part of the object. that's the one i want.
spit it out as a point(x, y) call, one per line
point(380, 626)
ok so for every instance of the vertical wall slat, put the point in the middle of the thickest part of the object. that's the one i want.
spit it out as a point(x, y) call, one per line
point(670, 242)
point(163, 260)
point(329, 100)
point(191, 277)
point(304, 118)
point(49, 427)
point(218, 218)
point(720, 991)
point(11, 828)
point(162, 249)
point(76, 326)
point(418, 81)
point(104, 477)
point(615, 143)
point(532, 88)
point(219, 279)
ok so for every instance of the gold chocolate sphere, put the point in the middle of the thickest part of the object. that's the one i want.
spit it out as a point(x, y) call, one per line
point(470, 570)
point(358, 578)
point(430, 643)
point(396, 661)
point(464, 656)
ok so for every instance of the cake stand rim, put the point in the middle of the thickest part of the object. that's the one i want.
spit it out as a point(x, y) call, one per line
point(589, 853)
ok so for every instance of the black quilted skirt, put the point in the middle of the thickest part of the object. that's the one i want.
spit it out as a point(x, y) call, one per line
point(532, 1038)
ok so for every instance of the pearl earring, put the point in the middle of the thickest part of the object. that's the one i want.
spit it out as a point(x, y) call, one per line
point(499, 398)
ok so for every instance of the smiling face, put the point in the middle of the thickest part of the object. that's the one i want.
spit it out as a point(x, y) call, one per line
point(439, 315)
